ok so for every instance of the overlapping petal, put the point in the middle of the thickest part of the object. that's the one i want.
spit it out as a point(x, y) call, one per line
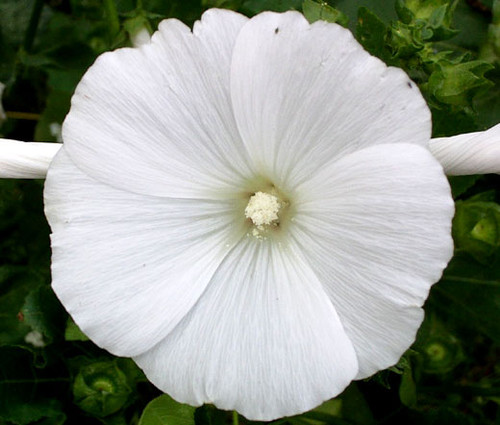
point(128, 267)
point(375, 227)
point(264, 339)
point(304, 95)
point(157, 120)
point(470, 153)
point(25, 160)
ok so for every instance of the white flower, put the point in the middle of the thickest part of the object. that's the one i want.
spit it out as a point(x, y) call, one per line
point(248, 210)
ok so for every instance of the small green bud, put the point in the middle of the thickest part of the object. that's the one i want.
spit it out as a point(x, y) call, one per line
point(442, 353)
point(101, 388)
point(476, 229)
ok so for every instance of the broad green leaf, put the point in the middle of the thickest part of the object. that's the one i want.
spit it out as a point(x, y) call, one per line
point(210, 415)
point(469, 295)
point(315, 10)
point(472, 26)
point(355, 408)
point(383, 9)
point(73, 332)
point(43, 312)
point(222, 4)
point(371, 32)
point(252, 7)
point(407, 387)
point(22, 399)
point(457, 84)
point(166, 411)
point(460, 184)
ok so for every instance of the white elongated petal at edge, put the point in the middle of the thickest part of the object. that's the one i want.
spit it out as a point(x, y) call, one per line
point(305, 94)
point(263, 339)
point(376, 229)
point(470, 153)
point(128, 267)
point(25, 160)
point(157, 120)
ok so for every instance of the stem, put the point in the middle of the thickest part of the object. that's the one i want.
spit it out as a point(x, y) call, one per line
point(112, 15)
point(29, 37)
point(236, 419)
point(22, 115)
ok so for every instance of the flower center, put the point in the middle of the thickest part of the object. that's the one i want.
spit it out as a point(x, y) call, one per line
point(263, 210)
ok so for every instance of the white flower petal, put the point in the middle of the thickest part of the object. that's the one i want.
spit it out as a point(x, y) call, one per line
point(375, 227)
point(25, 160)
point(471, 153)
point(157, 120)
point(264, 339)
point(306, 94)
point(128, 267)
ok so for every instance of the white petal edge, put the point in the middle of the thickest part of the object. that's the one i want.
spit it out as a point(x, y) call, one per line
point(157, 120)
point(376, 228)
point(128, 267)
point(304, 95)
point(25, 160)
point(263, 339)
point(470, 153)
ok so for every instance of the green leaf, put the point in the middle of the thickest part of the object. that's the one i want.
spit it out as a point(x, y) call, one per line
point(434, 17)
point(166, 411)
point(43, 312)
point(355, 408)
point(407, 387)
point(315, 10)
point(472, 26)
point(457, 84)
point(252, 7)
point(469, 295)
point(405, 40)
point(14, 286)
point(460, 184)
point(210, 415)
point(73, 332)
point(21, 400)
point(371, 32)
point(222, 4)
point(383, 9)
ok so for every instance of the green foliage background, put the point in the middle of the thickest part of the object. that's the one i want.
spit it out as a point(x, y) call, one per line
point(450, 48)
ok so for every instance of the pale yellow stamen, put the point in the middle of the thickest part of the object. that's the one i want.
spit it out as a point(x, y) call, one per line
point(263, 209)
